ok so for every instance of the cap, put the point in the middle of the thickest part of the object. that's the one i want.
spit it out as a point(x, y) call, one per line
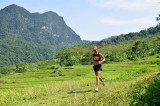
point(95, 48)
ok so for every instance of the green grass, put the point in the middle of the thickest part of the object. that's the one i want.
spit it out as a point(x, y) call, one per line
point(76, 85)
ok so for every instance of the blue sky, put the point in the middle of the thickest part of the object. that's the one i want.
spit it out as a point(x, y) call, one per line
point(97, 19)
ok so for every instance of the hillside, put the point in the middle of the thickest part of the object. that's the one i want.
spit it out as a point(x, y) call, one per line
point(130, 36)
point(130, 50)
point(30, 37)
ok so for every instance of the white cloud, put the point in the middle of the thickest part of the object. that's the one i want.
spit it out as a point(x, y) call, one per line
point(127, 4)
point(124, 22)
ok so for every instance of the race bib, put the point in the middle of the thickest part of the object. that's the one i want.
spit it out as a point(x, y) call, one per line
point(96, 57)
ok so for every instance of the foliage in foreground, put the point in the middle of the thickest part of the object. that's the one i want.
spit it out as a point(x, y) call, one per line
point(147, 94)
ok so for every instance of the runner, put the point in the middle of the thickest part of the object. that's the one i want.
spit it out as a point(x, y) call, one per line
point(97, 65)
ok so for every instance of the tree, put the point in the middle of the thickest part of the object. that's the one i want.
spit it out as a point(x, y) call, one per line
point(139, 50)
point(158, 18)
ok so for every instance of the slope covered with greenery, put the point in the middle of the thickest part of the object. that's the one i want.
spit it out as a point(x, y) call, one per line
point(30, 37)
point(122, 52)
point(130, 36)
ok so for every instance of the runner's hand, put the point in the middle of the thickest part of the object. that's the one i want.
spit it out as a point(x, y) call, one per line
point(101, 62)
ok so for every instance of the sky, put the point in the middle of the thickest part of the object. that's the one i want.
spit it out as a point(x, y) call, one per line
point(95, 20)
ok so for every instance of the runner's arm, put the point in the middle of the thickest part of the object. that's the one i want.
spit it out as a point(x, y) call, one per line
point(102, 58)
point(90, 59)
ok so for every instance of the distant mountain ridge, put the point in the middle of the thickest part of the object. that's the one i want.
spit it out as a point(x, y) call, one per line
point(130, 36)
point(105, 39)
point(30, 37)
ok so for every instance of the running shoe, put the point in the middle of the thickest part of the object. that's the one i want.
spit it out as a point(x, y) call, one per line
point(96, 89)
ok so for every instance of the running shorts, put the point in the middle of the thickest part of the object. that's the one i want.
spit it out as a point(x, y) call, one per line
point(97, 67)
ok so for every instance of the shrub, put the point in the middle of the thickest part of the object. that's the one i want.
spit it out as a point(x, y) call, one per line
point(21, 67)
point(63, 62)
point(6, 70)
point(152, 94)
point(149, 95)
point(70, 61)
point(53, 67)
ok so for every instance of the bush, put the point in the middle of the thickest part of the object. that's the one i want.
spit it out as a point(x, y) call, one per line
point(6, 70)
point(84, 59)
point(70, 61)
point(149, 95)
point(152, 94)
point(21, 67)
point(51, 67)
point(63, 62)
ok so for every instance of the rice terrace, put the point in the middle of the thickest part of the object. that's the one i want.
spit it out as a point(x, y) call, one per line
point(125, 84)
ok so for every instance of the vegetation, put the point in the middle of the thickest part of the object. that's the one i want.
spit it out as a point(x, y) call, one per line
point(131, 69)
point(75, 85)
point(147, 94)
point(31, 37)
point(131, 36)
point(126, 47)
point(158, 18)
point(121, 52)
point(129, 74)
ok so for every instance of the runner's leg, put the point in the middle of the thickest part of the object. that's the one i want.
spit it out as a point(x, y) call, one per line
point(98, 77)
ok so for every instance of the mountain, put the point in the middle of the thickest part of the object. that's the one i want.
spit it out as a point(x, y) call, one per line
point(30, 37)
point(105, 39)
point(86, 41)
point(130, 36)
